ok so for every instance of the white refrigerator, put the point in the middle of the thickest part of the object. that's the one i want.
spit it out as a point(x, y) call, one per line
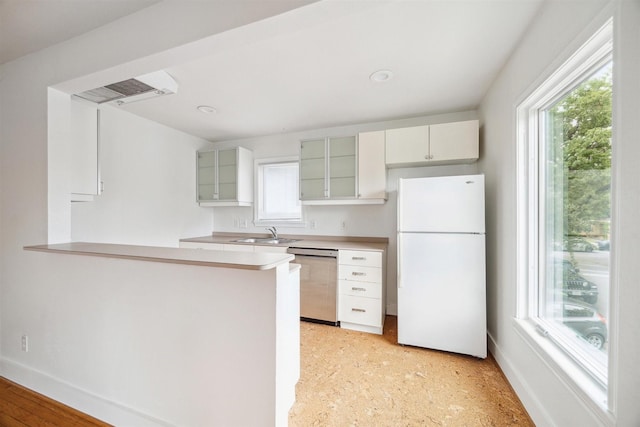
point(441, 264)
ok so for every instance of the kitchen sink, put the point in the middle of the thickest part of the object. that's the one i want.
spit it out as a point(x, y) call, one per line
point(277, 241)
point(266, 240)
point(247, 240)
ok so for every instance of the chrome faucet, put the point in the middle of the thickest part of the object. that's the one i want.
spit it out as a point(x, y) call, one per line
point(273, 231)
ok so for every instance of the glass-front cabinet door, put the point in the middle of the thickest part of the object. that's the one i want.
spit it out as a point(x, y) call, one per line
point(328, 168)
point(227, 174)
point(207, 172)
point(225, 177)
point(342, 167)
point(217, 175)
point(313, 169)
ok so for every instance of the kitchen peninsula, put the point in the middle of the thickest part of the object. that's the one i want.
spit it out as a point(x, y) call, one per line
point(196, 337)
point(342, 278)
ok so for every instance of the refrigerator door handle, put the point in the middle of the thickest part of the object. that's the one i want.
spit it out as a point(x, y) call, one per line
point(399, 261)
point(399, 207)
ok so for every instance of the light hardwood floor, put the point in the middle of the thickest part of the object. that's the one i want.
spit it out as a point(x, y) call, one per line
point(350, 378)
point(21, 407)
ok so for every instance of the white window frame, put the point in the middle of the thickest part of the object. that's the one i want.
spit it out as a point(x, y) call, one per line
point(560, 354)
point(259, 220)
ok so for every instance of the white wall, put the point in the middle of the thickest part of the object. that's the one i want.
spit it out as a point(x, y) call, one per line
point(32, 298)
point(551, 400)
point(150, 342)
point(149, 179)
point(359, 220)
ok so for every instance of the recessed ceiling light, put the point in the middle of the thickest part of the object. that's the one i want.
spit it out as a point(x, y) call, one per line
point(381, 76)
point(207, 109)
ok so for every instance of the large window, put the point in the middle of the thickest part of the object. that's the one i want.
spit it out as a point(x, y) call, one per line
point(278, 196)
point(565, 206)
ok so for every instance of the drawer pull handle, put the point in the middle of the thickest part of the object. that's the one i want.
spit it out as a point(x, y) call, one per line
point(359, 258)
point(359, 310)
point(358, 289)
point(358, 273)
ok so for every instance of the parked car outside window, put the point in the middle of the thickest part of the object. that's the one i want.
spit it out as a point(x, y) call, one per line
point(574, 285)
point(583, 319)
point(578, 244)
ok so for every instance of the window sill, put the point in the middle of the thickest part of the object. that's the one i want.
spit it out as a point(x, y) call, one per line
point(591, 394)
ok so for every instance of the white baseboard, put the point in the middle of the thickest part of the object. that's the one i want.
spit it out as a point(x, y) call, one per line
point(531, 403)
point(95, 406)
point(392, 309)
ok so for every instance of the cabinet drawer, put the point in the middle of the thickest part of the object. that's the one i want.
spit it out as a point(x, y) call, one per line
point(364, 258)
point(361, 310)
point(360, 289)
point(360, 274)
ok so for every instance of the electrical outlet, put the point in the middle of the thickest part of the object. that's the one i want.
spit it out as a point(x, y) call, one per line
point(25, 343)
point(243, 223)
point(312, 223)
point(343, 225)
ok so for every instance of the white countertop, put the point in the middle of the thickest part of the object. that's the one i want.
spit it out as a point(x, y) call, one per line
point(320, 242)
point(241, 260)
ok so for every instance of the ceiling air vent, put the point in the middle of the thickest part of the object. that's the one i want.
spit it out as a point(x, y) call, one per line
point(142, 87)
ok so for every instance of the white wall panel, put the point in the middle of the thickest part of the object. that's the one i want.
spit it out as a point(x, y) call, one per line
point(34, 195)
point(559, 30)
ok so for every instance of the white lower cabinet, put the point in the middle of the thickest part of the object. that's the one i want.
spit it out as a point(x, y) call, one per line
point(264, 248)
point(361, 301)
point(233, 247)
point(360, 313)
point(237, 248)
point(201, 245)
point(252, 248)
point(360, 289)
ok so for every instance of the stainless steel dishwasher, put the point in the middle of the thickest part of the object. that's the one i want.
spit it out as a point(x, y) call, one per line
point(318, 284)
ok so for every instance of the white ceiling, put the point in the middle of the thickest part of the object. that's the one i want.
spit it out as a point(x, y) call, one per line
point(444, 55)
point(27, 26)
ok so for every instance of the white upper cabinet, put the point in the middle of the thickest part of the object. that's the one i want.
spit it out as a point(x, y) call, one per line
point(225, 177)
point(438, 144)
point(84, 138)
point(407, 145)
point(372, 174)
point(458, 141)
point(343, 170)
